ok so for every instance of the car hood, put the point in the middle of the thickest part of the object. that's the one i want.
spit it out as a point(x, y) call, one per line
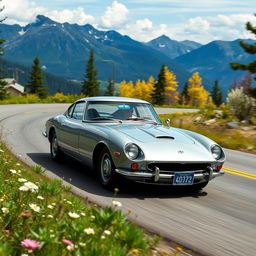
point(151, 133)
point(161, 143)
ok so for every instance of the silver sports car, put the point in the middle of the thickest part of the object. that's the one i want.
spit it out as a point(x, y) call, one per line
point(124, 137)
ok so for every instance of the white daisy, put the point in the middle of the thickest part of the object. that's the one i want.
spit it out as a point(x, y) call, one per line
point(107, 232)
point(5, 210)
point(89, 231)
point(23, 188)
point(32, 187)
point(73, 215)
point(35, 207)
point(116, 203)
point(22, 180)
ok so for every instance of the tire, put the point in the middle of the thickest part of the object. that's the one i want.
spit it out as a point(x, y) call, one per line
point(107, 175)
point(56, 153)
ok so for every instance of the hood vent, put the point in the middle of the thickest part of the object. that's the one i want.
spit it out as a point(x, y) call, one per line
point(164, 137)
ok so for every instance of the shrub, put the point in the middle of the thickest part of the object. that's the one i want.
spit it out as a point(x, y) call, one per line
point(241, 105)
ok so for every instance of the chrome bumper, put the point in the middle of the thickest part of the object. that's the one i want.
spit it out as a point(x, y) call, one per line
point(44, 134)
point(157, 175)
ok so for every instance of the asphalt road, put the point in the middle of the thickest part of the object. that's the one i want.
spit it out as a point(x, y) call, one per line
point(219, 221)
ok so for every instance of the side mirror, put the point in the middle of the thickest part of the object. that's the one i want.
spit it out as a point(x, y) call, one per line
point(168, 122)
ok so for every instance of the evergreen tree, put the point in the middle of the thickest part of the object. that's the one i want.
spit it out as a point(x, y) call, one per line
point(35, 85)
point(110, 88)
point(90, 86)
point(249, 48)
point(3, 83)
point(184, 99)
point(158, 95)
point(216, 93)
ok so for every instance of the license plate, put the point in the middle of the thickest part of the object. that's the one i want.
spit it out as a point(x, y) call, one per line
point(183, 178)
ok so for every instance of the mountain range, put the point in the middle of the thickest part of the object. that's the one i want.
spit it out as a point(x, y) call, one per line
point(64, 49)
point(173, 48)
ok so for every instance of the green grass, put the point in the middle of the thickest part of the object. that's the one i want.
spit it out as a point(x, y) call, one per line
point(63, 224)
point(32, 98)
point(225, 137)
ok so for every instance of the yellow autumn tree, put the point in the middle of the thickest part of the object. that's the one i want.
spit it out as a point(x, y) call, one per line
point(139, 89)
point(171, 93)
point(150, 88)
point(198, 96)
point(127, 89)
point(143, 90)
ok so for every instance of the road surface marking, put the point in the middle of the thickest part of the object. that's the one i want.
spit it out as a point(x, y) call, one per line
point(43, 109)
point(240, 173)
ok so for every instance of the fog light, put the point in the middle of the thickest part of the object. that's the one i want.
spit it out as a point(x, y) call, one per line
point(134, 166)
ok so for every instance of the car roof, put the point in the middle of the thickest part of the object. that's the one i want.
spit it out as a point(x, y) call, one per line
point(113, 98)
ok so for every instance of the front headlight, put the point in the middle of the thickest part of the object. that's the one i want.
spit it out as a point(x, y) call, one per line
point(216, 152)
point(132, 151)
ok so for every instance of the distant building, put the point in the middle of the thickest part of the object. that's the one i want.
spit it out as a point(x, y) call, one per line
point(13, 87)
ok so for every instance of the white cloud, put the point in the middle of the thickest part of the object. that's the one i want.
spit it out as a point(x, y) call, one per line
point(115, 16)
point(72, 16)
point(201, 29)
point(21, 11)
point(24, 11)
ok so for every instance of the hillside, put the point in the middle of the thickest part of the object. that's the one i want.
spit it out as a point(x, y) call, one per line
point(212, 61)
point(54, 83)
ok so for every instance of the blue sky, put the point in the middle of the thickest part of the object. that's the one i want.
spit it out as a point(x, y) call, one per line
point(143, 20)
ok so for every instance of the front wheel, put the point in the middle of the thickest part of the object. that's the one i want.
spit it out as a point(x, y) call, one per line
point(107, 175)
point(56, 153)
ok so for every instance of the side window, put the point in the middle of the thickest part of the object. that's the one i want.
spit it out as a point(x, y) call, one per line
point(78, 111)
point(69, 111)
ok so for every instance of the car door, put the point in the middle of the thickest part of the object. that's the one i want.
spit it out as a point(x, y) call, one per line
point(70, 129)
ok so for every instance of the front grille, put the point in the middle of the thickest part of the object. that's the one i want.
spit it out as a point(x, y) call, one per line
point(178, 167)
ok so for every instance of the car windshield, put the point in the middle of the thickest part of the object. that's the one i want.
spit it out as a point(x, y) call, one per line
point(124, 111)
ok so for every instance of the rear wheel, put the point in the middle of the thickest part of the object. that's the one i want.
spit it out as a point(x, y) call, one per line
point(56, 153)
point(106, 170)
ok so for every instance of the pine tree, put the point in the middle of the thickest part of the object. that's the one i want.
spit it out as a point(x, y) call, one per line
point(184, 99)
point(36, 82)
point(216, 93)
point(158, 95)
point(3, 83)
point(110, 88)
point(90, 86)
point(249, 48)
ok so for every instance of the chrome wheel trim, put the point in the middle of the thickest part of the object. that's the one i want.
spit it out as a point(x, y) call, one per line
point(105, 168)
point(54, 147)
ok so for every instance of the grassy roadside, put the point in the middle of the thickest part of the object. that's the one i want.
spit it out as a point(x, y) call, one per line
point(39, 216)
point(32, 98)
point(208, 123)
